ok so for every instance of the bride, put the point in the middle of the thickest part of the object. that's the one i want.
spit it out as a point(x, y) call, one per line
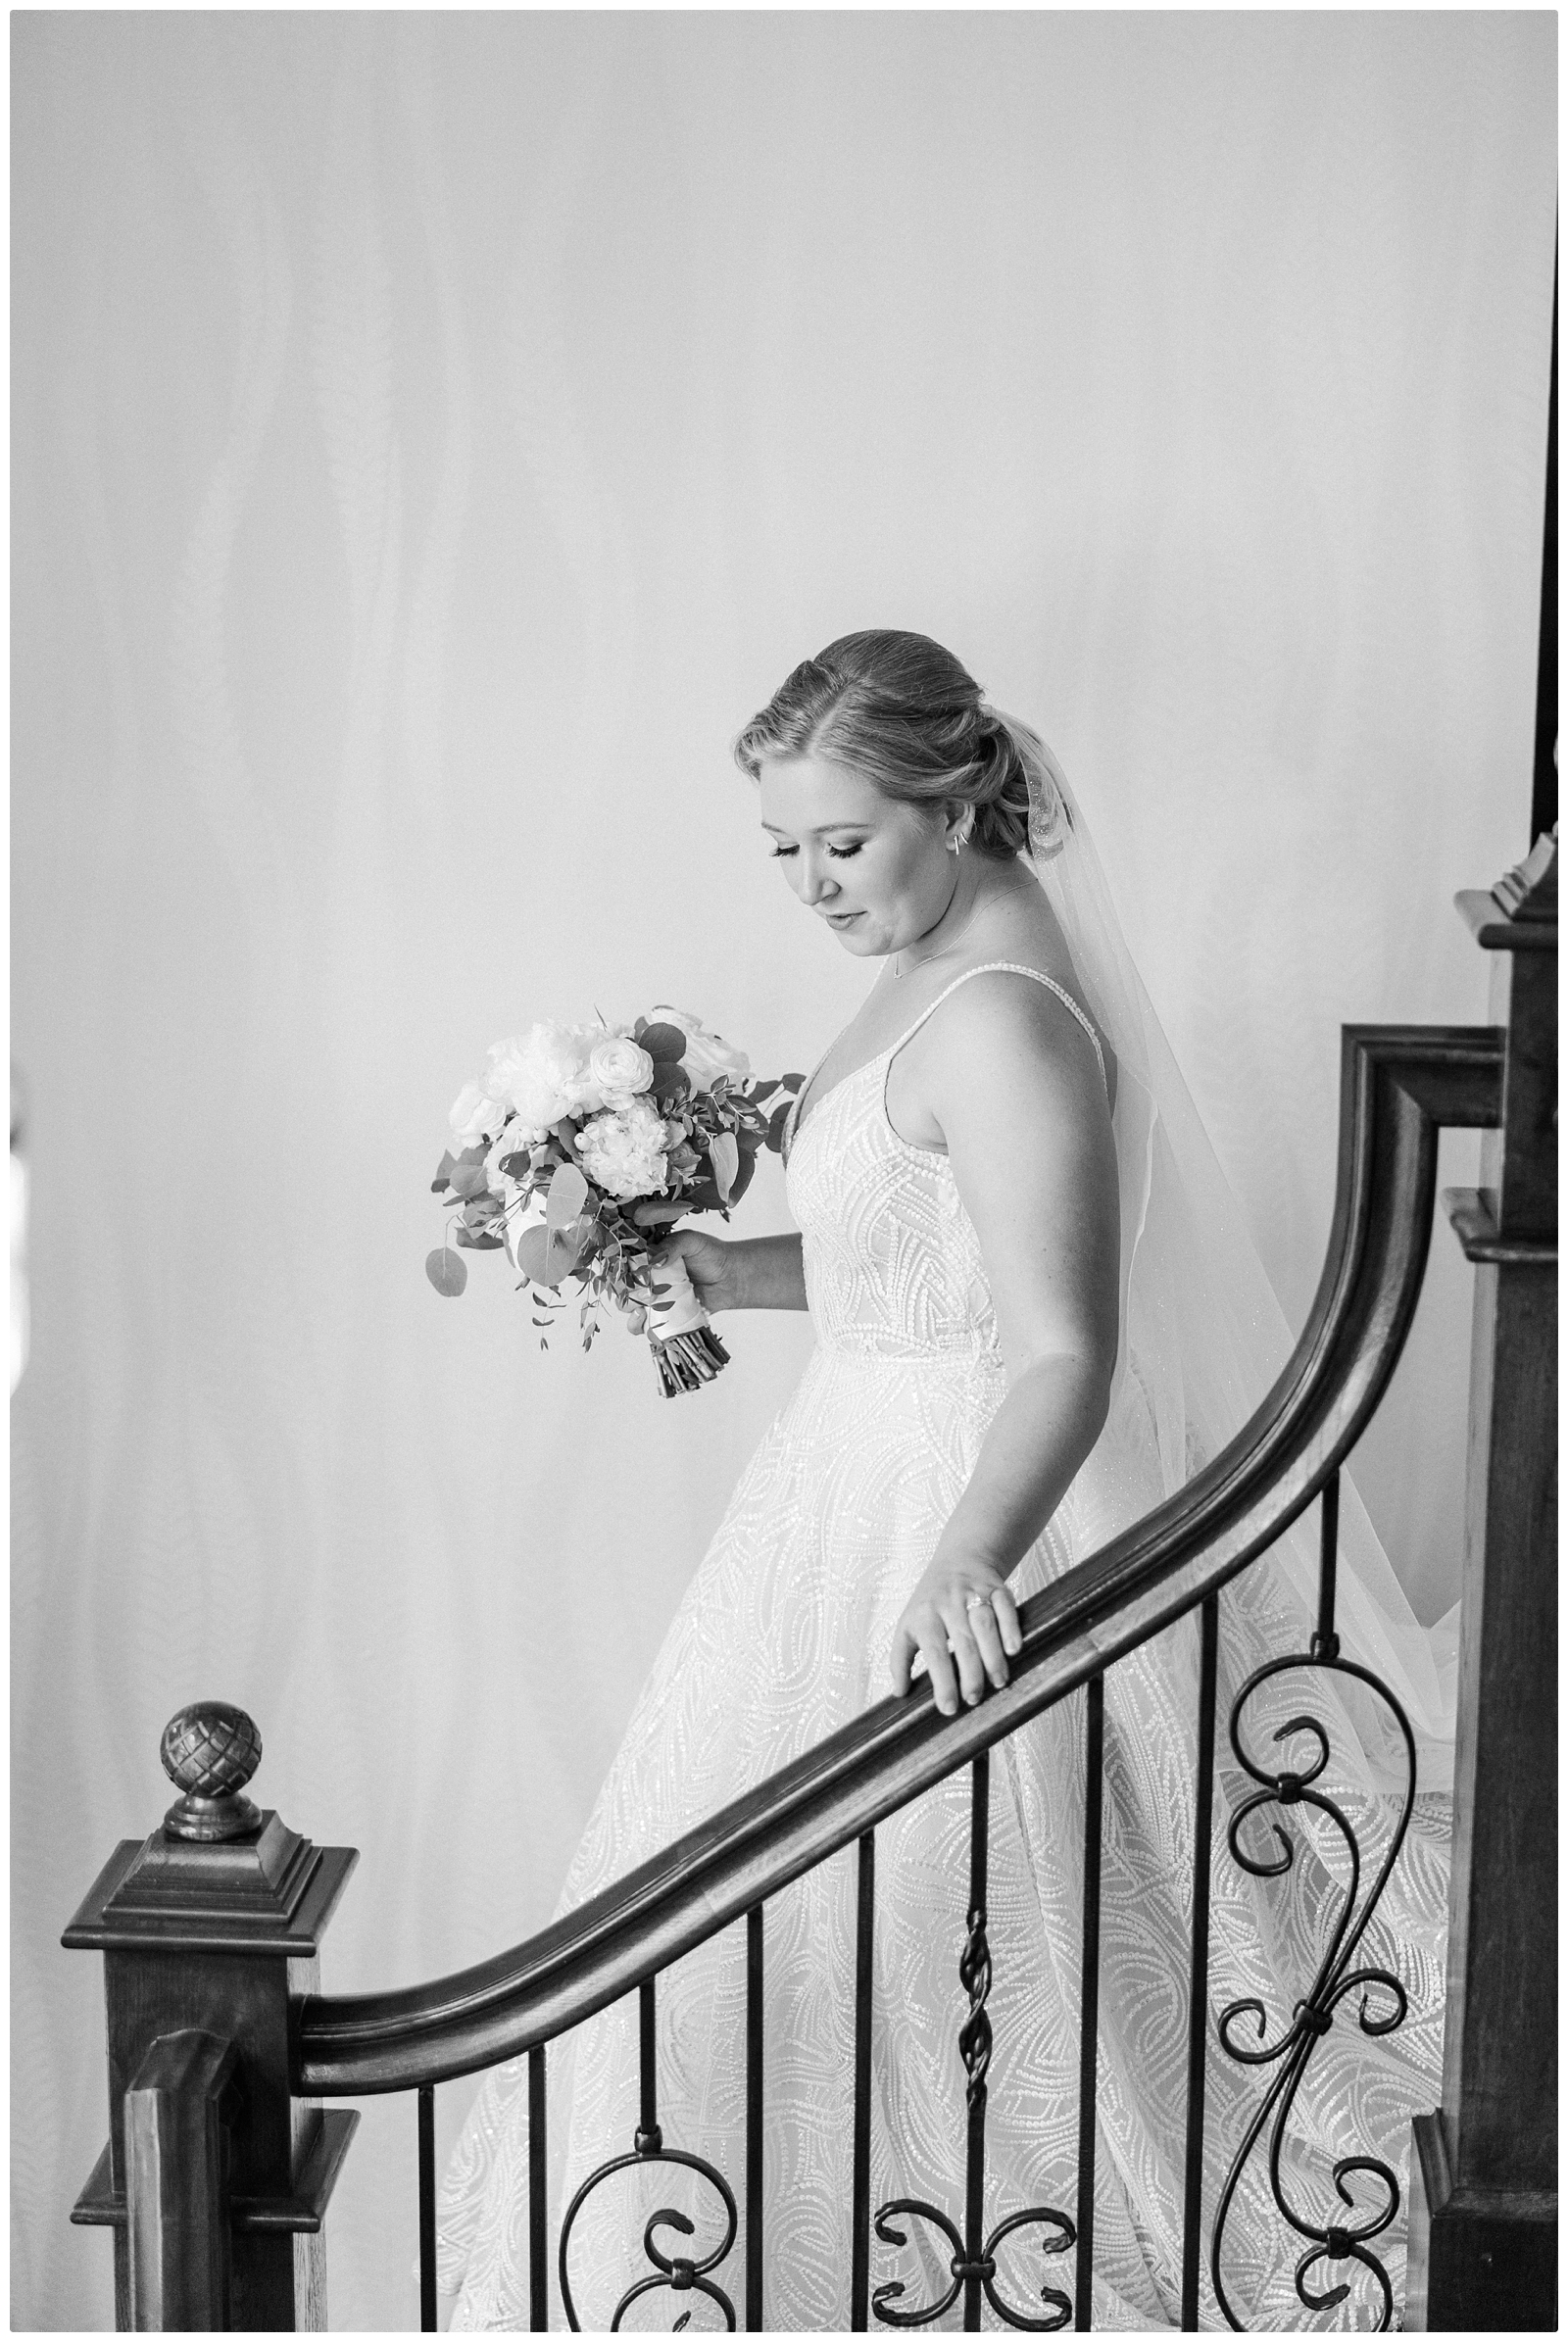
point(1037, 1313)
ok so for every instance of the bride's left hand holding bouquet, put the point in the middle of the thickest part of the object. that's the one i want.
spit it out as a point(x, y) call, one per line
point(578, 1148)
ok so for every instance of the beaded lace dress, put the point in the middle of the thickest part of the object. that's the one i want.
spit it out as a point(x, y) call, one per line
point(783, 1637)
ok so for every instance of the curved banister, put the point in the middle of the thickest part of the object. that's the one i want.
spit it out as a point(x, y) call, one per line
point(1398, 1086)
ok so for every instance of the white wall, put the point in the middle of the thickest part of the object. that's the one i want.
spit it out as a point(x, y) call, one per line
point(434, 435)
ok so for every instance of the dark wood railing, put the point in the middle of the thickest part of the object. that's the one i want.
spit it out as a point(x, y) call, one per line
point(221, 2046)
point(1398, 1087)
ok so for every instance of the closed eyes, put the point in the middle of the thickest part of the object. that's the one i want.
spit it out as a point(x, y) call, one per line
point(839, 854)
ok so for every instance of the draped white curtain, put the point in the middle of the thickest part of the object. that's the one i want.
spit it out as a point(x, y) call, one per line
point(433, 436)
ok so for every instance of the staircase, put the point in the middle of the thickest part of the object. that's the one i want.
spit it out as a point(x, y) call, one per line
point(226, 2061)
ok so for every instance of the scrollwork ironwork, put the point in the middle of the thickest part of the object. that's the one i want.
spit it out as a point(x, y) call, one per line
point(972, 2263)
point(974, 2035)
point(1312, 2017)
point(985, 2269)
point(670, 2269)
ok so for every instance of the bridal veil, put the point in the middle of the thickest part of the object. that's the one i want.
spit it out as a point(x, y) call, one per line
point(1203, 1335)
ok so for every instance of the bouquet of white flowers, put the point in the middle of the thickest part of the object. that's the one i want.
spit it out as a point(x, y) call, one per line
point(578, 1148)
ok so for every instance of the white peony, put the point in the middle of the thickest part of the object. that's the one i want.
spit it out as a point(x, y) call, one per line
point(476, 1117)
point(622, 1070)
point(708, 1053)
point(624, 1149)
point(543, 1075)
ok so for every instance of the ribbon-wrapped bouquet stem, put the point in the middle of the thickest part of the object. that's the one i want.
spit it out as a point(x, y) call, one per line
point(578, 1149)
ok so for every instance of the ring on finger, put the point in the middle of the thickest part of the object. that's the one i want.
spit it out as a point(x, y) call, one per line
point(977, 1602)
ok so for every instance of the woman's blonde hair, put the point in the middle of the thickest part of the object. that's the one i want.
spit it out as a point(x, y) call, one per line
point(900, 709)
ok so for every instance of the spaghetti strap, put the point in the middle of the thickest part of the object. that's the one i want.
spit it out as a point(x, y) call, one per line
point(884, 1057)
point(1011, 967)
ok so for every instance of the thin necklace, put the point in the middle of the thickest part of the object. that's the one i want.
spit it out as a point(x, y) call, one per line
point(947, 947)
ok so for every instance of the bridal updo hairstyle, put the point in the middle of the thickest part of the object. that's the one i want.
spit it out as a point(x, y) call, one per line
point(902, 712)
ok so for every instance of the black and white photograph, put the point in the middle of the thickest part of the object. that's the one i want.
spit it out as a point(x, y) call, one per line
point(784, 1209)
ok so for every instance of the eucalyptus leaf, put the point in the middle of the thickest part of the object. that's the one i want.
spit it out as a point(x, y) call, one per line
point(669, 1082)
point(468, 1179)
point(664, 1042)
point(790, 1082)
point(775, 1128)
point(531, 1254)
point(725, 1157)
point(652, 1215)
point(568, 1192)
point(562, 1251)
point(446, 1272)
point(743, 1177)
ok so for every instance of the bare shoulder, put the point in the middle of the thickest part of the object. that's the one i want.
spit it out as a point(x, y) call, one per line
point(999, 1018)
point(1000, 1050)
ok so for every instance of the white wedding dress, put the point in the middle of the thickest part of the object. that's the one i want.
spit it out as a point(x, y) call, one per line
point(783, 1636)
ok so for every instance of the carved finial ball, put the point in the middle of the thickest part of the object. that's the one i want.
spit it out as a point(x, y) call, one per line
point(210, 1749)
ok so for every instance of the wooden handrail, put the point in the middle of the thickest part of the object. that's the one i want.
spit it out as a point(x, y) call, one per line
point(1398, 1086)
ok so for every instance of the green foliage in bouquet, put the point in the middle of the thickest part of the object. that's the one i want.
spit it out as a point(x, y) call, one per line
point(536, 1193)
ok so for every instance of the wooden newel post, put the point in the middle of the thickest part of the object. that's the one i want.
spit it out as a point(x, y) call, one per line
point(1483, 2174)
point(215, 2177)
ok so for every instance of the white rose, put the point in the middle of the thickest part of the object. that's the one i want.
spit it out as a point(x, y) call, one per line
point(573, 1063)
point(708, 1053)
point(476, 1117)
point(624, 1149)
point(622, 1070)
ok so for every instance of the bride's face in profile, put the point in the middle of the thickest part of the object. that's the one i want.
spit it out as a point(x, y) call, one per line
point(874, 869)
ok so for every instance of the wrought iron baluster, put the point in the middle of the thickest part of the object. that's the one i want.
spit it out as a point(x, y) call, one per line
point(1326, 1642)
point(538, 2200)
point(428, 2324)
point(1336, 1979)
point(974, 2043)
point(1088, 2013)
point(1197, 2004)
point(649, 2138)
point(753, 2120)
point(860, 2183)
point(674, 2270)
point(973, 2265)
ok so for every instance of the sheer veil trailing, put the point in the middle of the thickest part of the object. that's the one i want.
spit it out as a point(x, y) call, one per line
point(1203, 1336)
